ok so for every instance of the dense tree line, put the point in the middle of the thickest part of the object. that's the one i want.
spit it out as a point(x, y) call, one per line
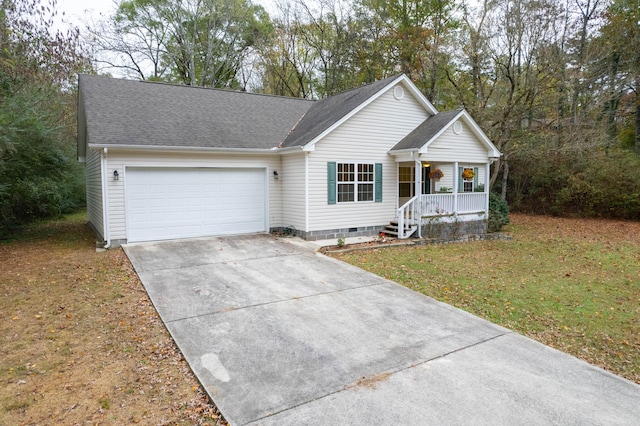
point(39, 176)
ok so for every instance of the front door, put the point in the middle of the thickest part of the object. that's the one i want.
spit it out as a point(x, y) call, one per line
point(407, 182)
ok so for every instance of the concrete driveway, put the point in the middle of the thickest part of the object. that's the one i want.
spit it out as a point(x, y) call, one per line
point(278, 334)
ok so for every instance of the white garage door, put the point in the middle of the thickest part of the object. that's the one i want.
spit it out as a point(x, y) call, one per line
point(168, 203)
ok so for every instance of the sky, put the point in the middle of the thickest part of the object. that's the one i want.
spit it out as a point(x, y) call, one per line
point(79, 12)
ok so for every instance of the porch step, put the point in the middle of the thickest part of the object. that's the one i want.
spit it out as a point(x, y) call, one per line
point(392, 229)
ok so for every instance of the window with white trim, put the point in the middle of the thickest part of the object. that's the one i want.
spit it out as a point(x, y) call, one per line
point(355, 182)
point(469, 178)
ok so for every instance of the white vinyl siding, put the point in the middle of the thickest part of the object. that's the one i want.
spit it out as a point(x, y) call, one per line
point(120, 160)
point(293, 195)
point(464, 148)
point(365, 138)
point(93, 180)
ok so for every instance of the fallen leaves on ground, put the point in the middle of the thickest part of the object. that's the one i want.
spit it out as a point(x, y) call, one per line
point(81, 341)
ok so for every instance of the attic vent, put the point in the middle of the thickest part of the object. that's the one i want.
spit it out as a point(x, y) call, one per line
point(457, 127)
point(398, 92)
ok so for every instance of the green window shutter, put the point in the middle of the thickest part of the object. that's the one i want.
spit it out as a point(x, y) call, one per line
point(475, 178)
point(331, 182)
point(378, 182)
point(460, 180)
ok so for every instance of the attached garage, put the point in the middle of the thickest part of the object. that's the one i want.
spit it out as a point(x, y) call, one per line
point(170, 203)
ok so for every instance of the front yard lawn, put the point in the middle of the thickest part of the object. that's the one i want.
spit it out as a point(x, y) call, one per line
point(573, 284)
point(81, 341)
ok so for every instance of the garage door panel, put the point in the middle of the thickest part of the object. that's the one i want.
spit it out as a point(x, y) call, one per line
point(181, 203)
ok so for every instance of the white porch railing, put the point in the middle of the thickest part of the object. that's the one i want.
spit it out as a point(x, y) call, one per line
point(446, 204)
point(409, 217)
point(428, 205)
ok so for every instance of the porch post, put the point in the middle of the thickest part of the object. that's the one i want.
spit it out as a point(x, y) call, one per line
point(455, 187)
point(487, 179)
point(418, 178)
point(418, 193)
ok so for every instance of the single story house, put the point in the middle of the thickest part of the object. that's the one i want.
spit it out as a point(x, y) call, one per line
point(166, 162)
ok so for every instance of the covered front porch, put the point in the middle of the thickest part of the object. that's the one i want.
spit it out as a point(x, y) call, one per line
point(431, 194)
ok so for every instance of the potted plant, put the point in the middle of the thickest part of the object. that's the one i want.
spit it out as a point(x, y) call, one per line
point(436, 174)
point(468, 174)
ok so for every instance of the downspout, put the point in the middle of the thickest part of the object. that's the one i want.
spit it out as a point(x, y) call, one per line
point(105, 199)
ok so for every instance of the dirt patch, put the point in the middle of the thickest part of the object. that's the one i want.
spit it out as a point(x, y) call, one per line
point(370, 382)
point(389, 242)
point(81, 341)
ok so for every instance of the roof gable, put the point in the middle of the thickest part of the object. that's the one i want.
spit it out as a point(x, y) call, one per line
point(138, 114)
point(427, 132)
point(327, 114)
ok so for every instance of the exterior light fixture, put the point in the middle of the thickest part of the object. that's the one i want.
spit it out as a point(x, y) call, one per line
point(116, 175)
point(275, 174)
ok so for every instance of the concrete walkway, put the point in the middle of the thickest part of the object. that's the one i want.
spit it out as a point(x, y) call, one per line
point(278, 334)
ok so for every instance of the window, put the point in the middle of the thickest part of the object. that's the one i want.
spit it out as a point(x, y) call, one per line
point(467, 179)
point(354, 182)
point(406, 183)
point(346, 182)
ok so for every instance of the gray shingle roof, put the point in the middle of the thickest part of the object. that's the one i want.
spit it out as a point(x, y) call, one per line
point(427, 130)
point(135, 113)
point(326, 112)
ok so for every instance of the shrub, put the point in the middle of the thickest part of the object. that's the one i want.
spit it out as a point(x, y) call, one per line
point(498, 213)
point(596, 183)
point(39, 177)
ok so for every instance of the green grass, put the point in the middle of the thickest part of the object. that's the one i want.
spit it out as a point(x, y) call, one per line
point(571, 284)
point(63, 230)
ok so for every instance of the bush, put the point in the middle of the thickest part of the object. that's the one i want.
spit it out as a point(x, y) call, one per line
point(39, 177)
point(595, 183)
point(498, 213)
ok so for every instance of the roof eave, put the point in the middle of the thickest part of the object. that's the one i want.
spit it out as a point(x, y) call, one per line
point(290, 149)
point(402, 151)
point(274, 150)
point(493, 151)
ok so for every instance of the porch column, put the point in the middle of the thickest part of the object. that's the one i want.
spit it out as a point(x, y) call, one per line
point(418, 178)
point(455, 187)
point(487, 180)
point(418, 193)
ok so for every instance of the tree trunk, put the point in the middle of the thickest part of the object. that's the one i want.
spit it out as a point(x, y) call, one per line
point(612, 104)
point(638, 115)
point(505, 177)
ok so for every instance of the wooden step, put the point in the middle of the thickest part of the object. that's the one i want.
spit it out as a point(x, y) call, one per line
point(393, 230)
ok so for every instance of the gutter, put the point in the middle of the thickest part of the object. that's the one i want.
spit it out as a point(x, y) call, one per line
point(289, 149)
point(184, 148)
